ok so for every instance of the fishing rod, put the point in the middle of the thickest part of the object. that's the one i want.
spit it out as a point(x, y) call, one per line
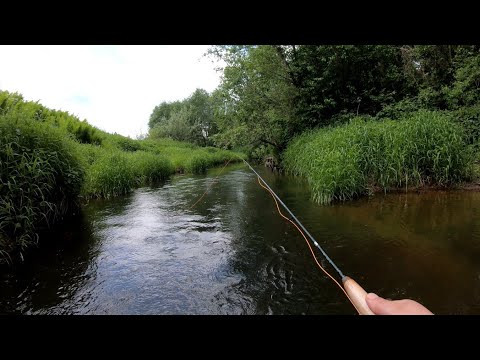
point(355, 293)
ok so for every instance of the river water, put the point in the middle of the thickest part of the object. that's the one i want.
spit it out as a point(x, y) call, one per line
point(149, 253)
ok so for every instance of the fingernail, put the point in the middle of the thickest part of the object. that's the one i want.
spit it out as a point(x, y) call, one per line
point(372, 296)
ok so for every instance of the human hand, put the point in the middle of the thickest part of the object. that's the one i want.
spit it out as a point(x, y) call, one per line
point(381, 306)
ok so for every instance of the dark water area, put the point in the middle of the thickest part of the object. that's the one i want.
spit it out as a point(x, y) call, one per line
point(149, 253)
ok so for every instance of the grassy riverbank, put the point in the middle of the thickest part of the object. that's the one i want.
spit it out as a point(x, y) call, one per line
point(51, 162)
point(423, 149)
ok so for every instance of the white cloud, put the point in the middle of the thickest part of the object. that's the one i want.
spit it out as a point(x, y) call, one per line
point(114, 87)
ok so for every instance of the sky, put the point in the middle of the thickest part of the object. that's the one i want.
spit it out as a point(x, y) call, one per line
point(114, 88)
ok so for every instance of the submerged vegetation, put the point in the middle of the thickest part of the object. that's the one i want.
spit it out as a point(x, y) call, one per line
point(50, 162)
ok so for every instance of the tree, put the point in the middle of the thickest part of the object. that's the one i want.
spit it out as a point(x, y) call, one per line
point(465, 90)
point(162, 113)
point(200, 117)
point(188, 120)
point(358, 79)
point(254, 103)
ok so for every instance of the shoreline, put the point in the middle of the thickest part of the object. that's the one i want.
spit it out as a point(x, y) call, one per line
point(465, 186)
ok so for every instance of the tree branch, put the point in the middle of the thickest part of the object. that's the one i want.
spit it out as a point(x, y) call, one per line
point(282, 55)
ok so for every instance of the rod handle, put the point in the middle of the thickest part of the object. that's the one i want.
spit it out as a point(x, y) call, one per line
point(357, 295)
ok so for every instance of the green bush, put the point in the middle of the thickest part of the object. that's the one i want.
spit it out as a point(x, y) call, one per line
point(40, 179)
point(90, 153)
point(87, 134)
point(466, 88)
point(259, 153)
point(399, 109)
point(124, 143)
point(426, 148)
point(469, 119)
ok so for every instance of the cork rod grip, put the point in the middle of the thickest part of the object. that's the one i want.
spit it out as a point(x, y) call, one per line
point(357, 294)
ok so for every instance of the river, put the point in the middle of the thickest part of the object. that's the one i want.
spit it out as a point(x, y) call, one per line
point(150, 253)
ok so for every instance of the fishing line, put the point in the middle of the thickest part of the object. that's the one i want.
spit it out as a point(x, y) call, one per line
point(299, 223)
point(309, 246)
point(299, 227)
point(210, 186)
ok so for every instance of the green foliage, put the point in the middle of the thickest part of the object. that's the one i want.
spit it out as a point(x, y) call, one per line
point(426, 148)
point(466, 88)
point(447, 75)
point(90, 153)
point(83, 132)
point(196, 160)
point(469, 118)
point(232, 136)
point(254, 103)
point(151, 169)
point(189, 120)
point(399, 109)
point(433, 99)
point(360, 79)
point(87, 134)
point(329, 159)
point(163, 112)
point(123, 143)
point(40, 179)
point(270, 94)
point(176, 127)
point(112, 174)
point(259, 153)
point(435, 64)
point(208, 157)
point(196, 165)
point(201, 117)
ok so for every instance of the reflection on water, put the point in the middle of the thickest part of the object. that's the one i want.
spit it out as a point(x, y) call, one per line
point(148, 253)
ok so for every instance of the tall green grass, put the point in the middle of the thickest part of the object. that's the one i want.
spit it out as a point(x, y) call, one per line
point(150, 169)
point(188, 158)
point(40, 179)
point(426, 148)
point(83, 132)
point(112, 172)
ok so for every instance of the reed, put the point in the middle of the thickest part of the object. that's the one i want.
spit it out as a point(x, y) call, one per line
point(40, 179)
point(425, 148)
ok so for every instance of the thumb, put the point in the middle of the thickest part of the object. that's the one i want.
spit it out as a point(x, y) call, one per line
point(379, 305)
